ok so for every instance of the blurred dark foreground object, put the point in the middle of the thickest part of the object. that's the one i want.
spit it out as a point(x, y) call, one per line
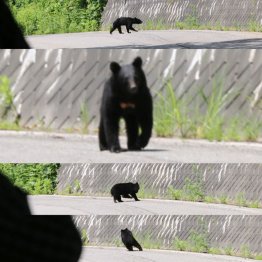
point(28, 238)
point(10, 34)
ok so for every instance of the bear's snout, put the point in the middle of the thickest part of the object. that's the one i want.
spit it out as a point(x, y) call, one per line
point(132, 86)
point(133, 89)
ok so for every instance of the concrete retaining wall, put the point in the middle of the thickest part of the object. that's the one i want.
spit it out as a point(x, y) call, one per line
point(217, 180)
point(218, 231)
point(208, 12)
point(51, 85)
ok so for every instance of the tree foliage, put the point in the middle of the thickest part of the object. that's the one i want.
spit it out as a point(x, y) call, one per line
point(57, 16)
point(32, 178)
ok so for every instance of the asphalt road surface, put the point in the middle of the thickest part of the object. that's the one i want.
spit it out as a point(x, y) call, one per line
point(150, 39)
point(84, 205)
point(107, 254)
point(67, 148)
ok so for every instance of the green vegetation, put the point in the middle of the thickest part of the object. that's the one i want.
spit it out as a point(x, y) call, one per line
point(191, 191)
point(74, 189)
point(84, 237)
point(146, 192)
point(229, 251)
point(147, 241)
point(52, 16)
point(245, 252)
point(7, 106)
point(191, 22)
point(84, 116)
point(32, 178)
point(196, 242)
point(174, 116)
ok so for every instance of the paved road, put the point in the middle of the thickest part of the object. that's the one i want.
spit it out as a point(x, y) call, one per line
point(84, 205)
point(64, 148)
point(107, 254)
point(150, 39)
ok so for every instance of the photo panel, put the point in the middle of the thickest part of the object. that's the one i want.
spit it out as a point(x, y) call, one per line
point(205, 105)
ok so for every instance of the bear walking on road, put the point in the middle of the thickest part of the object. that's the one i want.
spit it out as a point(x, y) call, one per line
point(129, 240)
point(127, 21)
point(127, 96)
point(126, 190)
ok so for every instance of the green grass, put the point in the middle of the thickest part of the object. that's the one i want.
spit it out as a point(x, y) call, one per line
point(70, 190)
point(84, 238)
point(245, 252)
point(84, 117)
point(7, 125)
point(196, 242)
point(173, 117)
point(32, 178)
point(241, 200)
point(7, 105)
point(149, 242)
point(146, 192)
point(215, 251)
point(195, 193)
point(191, 22)
point(229, 251)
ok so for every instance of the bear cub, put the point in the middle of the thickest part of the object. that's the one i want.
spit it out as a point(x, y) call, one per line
point(126, 190)
point(129, 240)
point(127, 21)
point(126, 96)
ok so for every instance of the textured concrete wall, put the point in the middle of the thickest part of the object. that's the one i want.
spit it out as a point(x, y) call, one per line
point(215, 180)
point(208, 12)
point(51, 85)
point(218, 231)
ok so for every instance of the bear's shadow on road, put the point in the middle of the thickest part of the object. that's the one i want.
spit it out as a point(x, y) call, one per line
point(124, 150)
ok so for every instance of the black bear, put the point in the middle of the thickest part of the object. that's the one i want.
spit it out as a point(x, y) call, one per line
point(126, 190)
point(129, 240)
point(126, 95)
point(127, 21)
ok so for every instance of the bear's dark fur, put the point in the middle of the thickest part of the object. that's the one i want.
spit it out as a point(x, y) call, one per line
point(129, 240)
point(126, 95)
point(126, 190)
point(127, 21)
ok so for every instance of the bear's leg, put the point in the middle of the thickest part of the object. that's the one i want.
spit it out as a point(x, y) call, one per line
point(134, 196)
point(127, 196)
point(127, 29)
point(146, 131)
point(119, 29)
point(133, 29)
point(129, 247)
point(112, 29)
point(115, 199)
point(137, 245)
point(132, 132)
point(102, 138)
point(111, 127)
point(119, 198)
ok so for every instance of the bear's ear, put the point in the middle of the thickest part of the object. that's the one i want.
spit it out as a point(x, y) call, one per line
point(137, 62)
point(115, 67)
